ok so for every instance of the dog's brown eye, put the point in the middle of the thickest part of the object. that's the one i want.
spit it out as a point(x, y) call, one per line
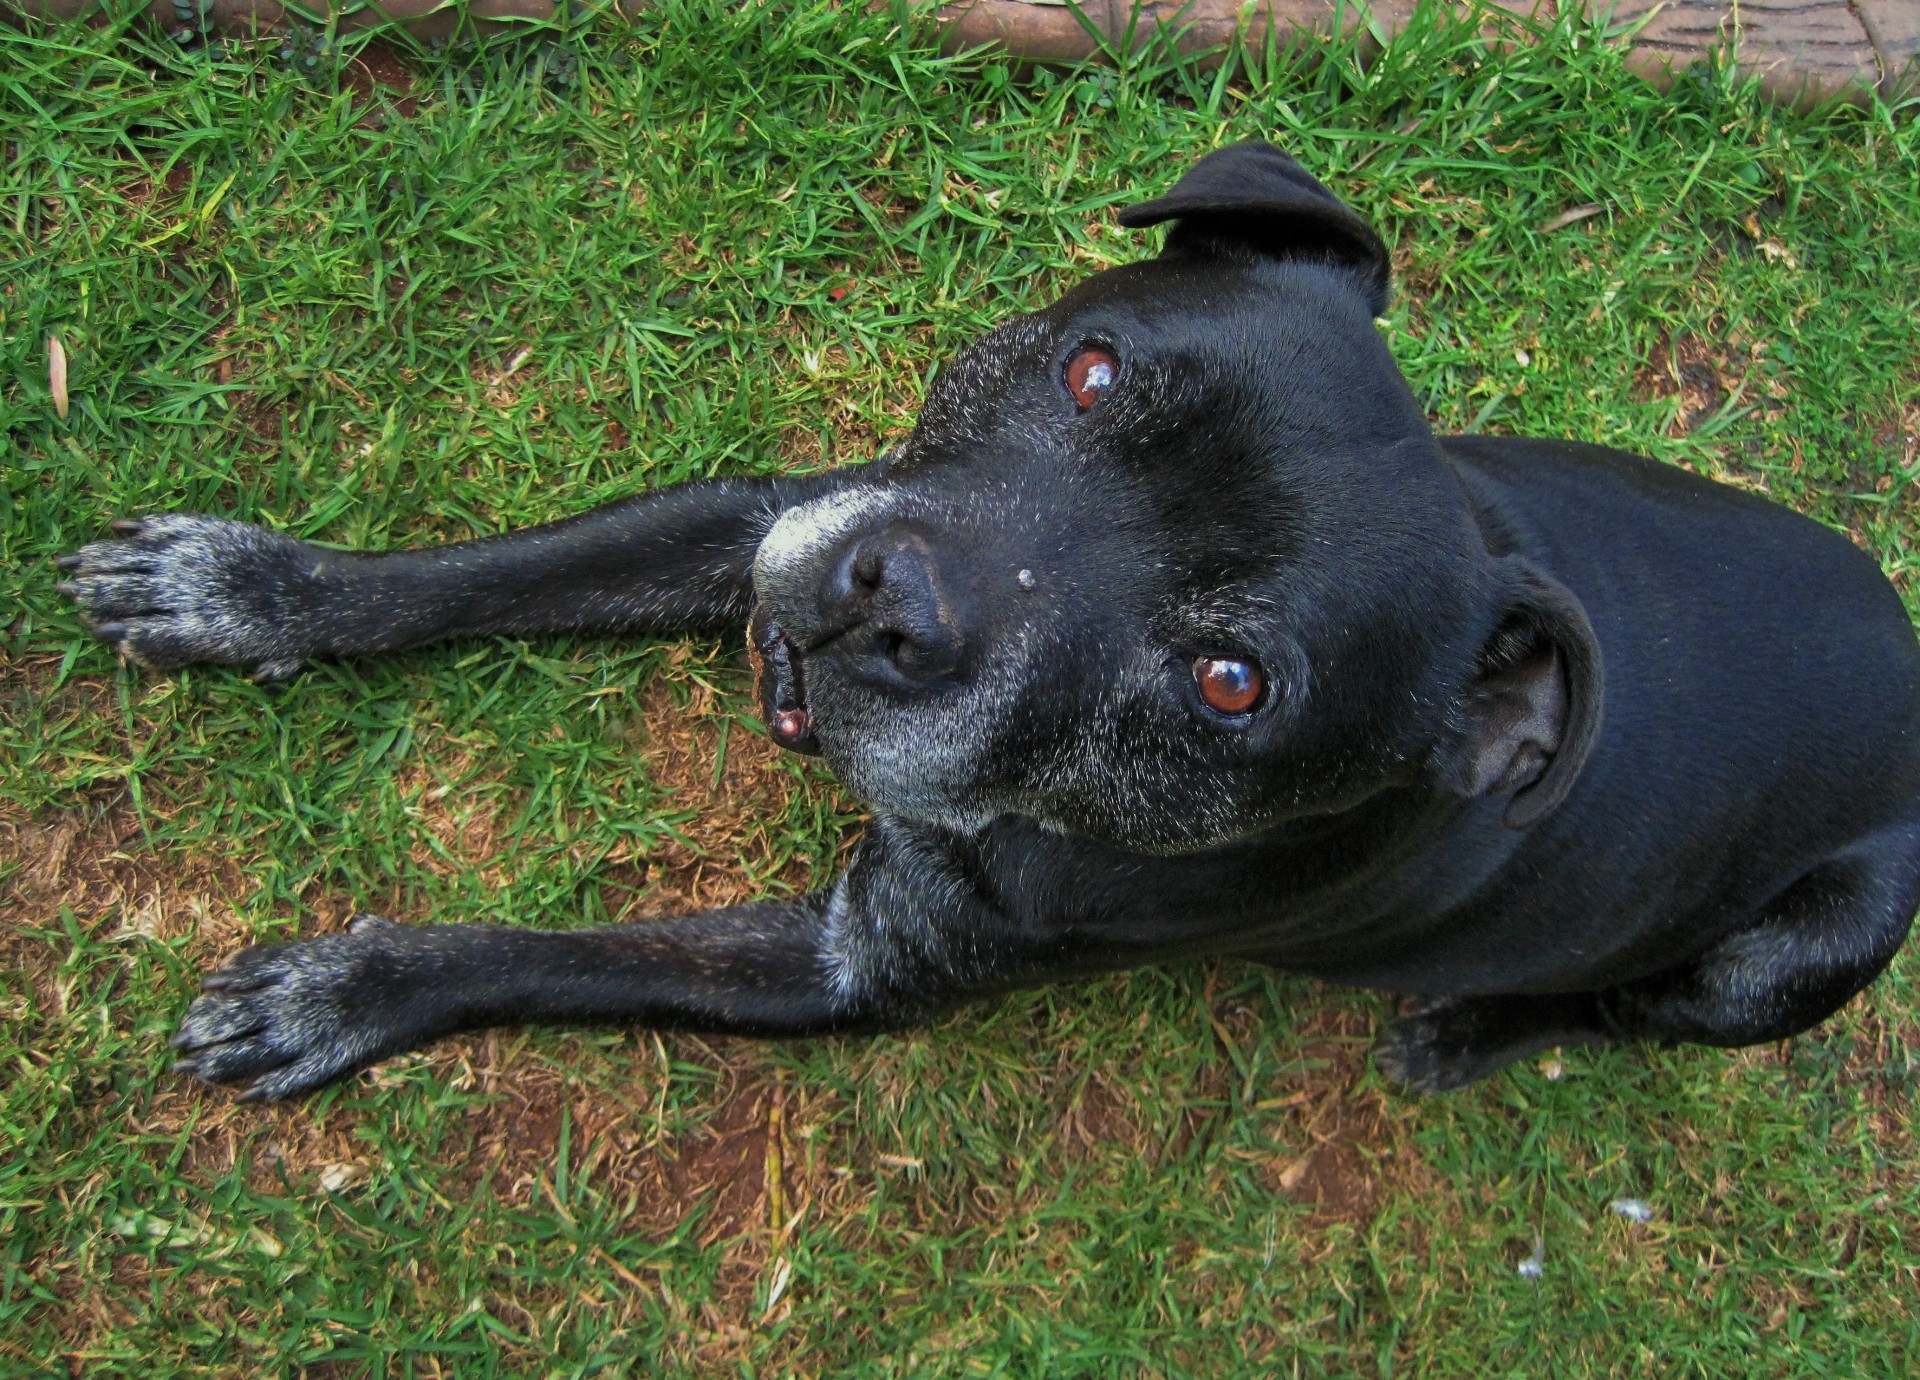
point(1090, 372)
point(1227, 684)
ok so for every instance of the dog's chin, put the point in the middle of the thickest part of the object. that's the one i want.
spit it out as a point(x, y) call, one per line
point(902, 774)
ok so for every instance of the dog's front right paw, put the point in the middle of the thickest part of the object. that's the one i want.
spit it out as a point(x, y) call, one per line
point(180, 589)
point(285, 1019)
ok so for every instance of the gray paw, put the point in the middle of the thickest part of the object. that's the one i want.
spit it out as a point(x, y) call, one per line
point(180, 589)
point(288, 1018)
point(1437, 1047)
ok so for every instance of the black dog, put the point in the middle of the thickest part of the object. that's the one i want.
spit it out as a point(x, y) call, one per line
point(1171, 630)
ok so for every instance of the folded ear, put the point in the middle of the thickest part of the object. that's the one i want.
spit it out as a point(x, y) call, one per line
point(1531, 714)
point(1256, 196)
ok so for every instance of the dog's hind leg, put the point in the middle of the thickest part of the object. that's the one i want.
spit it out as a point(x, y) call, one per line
point(179, 589)
point(1449, 1043)
point(1815, 945)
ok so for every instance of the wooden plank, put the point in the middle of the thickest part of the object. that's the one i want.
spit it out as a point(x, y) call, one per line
point(1049, 31)
point(422, 18)
point(1894, 28)
point(1804, 51)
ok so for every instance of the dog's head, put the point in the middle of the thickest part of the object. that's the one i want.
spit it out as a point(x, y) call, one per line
point(1173, 560)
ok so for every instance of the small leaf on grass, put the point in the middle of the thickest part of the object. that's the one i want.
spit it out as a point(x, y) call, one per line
point(192, 1230)
point(57, 375)
point(1573, 215)
point(337, 1178)
point(1290, 1176)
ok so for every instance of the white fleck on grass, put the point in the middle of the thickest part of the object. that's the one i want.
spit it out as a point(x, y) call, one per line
point(1535, 1264)
point(1633, 1209)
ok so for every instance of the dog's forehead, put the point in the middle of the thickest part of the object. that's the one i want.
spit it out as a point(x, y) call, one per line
point(1142, 305)
point(1192, 339)
point(1254, 405)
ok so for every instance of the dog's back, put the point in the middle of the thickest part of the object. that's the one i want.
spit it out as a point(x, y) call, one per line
point(1762, 701)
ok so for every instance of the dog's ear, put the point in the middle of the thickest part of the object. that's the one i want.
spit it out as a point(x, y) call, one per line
point(1529, 718)
point(1256, 196)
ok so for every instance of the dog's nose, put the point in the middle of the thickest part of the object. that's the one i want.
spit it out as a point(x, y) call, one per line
point(886, 594)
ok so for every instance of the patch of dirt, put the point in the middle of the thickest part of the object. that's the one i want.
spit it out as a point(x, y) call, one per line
point(264, 420)
point(514, 1137)
point(1700, 376)
point(377, 76)
point(1778, 1297)
point(1336, 1177)
point(464, 821)
point(98, 865)
point(897, 207)
point(1897, 439)
point(1899, 435)
point(162, 194)
point(32, 678)
point(503, 378)
point(1101, 1119)
point(1359, 1146)
point(1882, 1065)
point(738, 802)
point(722, 1165)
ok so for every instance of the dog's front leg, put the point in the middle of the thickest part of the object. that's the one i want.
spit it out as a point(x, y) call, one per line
point(179, 589)
point(900, 938)
point(283, 1019)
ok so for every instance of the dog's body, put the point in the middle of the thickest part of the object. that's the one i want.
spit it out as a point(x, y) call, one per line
point(1171, 630)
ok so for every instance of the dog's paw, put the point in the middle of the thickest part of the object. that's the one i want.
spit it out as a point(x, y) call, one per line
point(1442, 1045)
point(284, 1019)
point(181, 589)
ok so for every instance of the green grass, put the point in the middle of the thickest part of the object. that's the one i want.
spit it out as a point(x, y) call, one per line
point(281, 306)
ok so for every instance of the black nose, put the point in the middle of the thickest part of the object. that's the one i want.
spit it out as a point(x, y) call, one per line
point(886, 595)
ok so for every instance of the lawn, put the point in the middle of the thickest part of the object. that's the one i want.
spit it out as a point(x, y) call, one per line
point(542, 274)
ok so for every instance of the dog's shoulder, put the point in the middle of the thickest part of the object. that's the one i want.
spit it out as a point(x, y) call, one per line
point(1577, 503)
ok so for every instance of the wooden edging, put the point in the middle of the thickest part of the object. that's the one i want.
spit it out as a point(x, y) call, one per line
point(1803, 51)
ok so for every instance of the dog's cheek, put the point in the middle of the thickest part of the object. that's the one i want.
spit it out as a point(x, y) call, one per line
point(1134, 780)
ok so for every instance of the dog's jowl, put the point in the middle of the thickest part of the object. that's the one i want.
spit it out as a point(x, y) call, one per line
point(1170, 630)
